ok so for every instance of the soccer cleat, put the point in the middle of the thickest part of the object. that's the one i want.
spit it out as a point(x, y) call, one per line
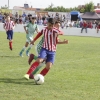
point(26, 76)
point(31, 76)
point(20, 54)
point(31, 57)
point(27, 53)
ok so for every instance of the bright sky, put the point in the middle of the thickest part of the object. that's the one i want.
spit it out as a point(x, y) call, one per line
point(45, 3)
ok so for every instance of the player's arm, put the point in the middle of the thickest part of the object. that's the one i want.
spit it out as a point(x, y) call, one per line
point(62, 42)
point(37, 29)
point(37, 36)
point(25, 28)
point(4, 26)
point(60, 32)
point(13, 25)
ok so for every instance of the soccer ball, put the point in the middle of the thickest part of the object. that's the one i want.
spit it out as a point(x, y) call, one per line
point(39, 79)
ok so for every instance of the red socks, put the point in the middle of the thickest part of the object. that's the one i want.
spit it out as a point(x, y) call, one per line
point(44, 71)
point(33, 67)
point(10, 45)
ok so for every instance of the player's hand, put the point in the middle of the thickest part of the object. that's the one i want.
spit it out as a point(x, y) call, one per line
point(12, 28)
point(26, 31)
point(65, 41)
point(6, 30)
point(32, 42)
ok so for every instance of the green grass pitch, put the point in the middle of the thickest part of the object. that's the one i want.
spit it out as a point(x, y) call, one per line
point(75, 74)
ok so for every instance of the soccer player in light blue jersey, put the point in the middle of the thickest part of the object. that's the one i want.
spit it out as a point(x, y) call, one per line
point(30, 29)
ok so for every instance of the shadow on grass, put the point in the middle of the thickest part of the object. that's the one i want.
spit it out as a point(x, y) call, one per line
point(20, 81)
point(9, 56)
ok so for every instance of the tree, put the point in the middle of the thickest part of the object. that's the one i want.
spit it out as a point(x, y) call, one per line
point(82, 10)
point(89, 7)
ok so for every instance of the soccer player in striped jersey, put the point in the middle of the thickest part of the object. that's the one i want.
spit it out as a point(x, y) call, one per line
point(48, 50)
point(38, 48)
point(9, 26)
point(30, 29)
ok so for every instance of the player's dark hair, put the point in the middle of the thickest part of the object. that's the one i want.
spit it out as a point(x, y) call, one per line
point(31, 18)
point(51, 20)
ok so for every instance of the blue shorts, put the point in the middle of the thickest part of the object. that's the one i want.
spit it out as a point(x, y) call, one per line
point(9, 34)
point(48, 55)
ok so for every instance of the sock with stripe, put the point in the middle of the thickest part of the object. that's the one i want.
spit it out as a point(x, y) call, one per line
point(33, 67)
point(37, 69)
point(23, 49)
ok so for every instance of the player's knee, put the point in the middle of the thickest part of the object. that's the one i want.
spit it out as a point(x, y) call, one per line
point(39, 60)
point(48, 65)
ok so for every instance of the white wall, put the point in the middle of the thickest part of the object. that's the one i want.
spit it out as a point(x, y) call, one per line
point(68, 31)
point(77, 32)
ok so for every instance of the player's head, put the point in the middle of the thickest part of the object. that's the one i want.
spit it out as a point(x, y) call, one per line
point(33, 20)
point(57, 24)
point(8, 18)
point(50, 23)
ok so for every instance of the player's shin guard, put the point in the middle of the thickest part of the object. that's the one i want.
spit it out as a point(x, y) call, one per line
point(10, 45)
point(23, 49)
point(29, 48)
point(33, 67)
point(44, 71)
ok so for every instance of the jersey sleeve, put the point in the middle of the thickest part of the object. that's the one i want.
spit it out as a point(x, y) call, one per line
point(38, 35)
point(13, 23)
point(27, 25)
point(59, 32)
point(37, 28)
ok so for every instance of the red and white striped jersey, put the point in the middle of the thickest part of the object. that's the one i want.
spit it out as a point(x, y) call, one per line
point(9, 25)
point(50, 38)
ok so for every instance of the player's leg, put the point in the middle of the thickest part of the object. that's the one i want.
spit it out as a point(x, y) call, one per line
point(23, 49)
point(30, 38)
point(33, 67)
point(50, 60)
point(31, 57)
point(36, 70)
point(36, 63)
point(11, 38)
point(29, 48)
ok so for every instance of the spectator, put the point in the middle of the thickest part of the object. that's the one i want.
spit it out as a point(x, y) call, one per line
point(1, 17)
point(84, 26)
point(16, 18)
point(98, 27)
point(94, 25)
point(24, 15)
point(90, 25)
point(23, 19)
